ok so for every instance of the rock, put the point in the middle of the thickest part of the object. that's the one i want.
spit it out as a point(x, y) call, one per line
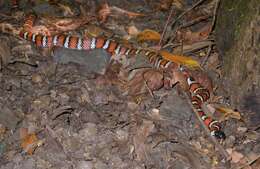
point(91, 61)
point(84, 165)
point(230, 141)
point(121, 135)
point(28, 164)
point(89, 132)
point(8, 117)
point(36, 78)
point(242, 129)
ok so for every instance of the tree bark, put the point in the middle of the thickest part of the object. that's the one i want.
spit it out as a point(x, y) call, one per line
point(238, 41)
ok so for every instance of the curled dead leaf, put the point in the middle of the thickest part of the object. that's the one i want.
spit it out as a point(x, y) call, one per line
point(229, 113)
point(148, 34)
point(143, 81)
point(29, 141)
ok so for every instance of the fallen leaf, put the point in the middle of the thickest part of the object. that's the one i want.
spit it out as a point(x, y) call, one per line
point(67, 10)
point(2, 130)
point(235, 156)
point(128, 13)
point(29, 141)
point(229, 113)
point(178, 4)
point(143, 81)
point(190, 37)
point(132, 30)
point(142, 149)
point(104, 12)
point(148, 34)
point(183, 60)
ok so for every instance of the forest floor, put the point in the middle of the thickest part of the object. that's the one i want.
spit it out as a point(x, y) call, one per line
point(63, 108)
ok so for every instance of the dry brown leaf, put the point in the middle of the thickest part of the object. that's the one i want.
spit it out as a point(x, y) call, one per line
point(29, 141)
point(229, 113)
point(183, 60)
point(141, 148)
point(189, 37)
point(5, 51)
point(66, 9)
point(2, 130)
point(104, 12)
point(143, 81)
point(128, 13)
point(132, 30)
point(235, 156)
point(178, 4)
point(148, 34)
point(8, 28)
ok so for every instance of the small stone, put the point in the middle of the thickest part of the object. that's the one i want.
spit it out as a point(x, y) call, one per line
point(132, 105)
point(230, 141)
point(155, 114)
point(236, 156)
point(101, 165)
point(242, 129)
point(28, 164)
point(121, 135)
point(89, 132)
point(84, 165)
point(36, 78)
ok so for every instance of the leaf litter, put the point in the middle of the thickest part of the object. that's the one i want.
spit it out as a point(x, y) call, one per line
point(80, 119)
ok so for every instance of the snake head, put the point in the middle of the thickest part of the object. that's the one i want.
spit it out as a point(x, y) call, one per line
point(219, 134)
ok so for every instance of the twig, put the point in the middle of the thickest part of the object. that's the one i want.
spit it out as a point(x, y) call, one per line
point(165, 26)
point(256, 128)
point(185, 12)
point(213, 23)
point(191, 48)
point(207, 55)
point(194, 21)
point(146, 85)
point(165, 141)
point(249, 163)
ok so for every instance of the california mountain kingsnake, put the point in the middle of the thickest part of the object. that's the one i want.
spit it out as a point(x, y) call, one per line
point(199, 94)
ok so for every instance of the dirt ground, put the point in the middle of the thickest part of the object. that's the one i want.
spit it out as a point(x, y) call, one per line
point(66, 109)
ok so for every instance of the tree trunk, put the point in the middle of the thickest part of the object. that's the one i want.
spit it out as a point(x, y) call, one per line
point(238, 41)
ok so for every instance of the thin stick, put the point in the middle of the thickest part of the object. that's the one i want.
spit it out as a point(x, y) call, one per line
point(165, 26)
point(194, 21)
point(185, 12)
point(207, 56)
point(146, 85)
point(213, 23)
